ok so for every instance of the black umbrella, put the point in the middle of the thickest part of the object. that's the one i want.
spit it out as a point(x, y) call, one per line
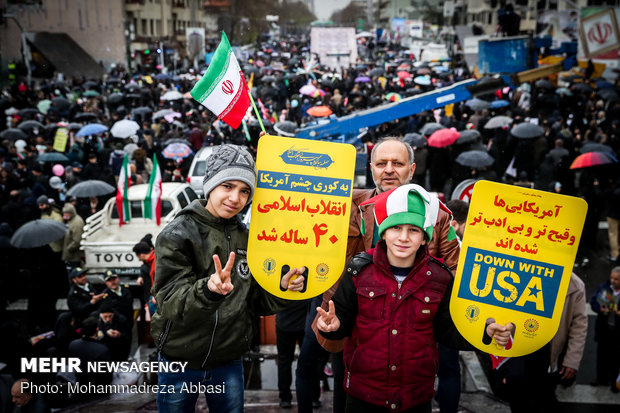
point(74, 125)
point(254, 122)
point(52, 157)
point(475, 159)
point(582, 87)
point(85, 116)
point(377, 71)
point(413, 91)
point(527, 130)
point(285, 128)
point(607, 94)
point(13, 134)
point(133, 96)
point(429, 128)
point(544, 84)
point(61, 103)
point(268, 79)
point(468, 135)
point(415, 140)
point(90, 85)
point(478, 104)
point(248, 70)
point(92, 187)
point(115, 98)
point(595, 147)
point(28, 112)
point(38, 233)
point(498, 122)
point(30, 124)
point(132, 86)
point(142, 110)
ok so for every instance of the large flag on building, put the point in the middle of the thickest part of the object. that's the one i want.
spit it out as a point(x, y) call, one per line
point(152, 202)
point(222, 89)
point(122, 201)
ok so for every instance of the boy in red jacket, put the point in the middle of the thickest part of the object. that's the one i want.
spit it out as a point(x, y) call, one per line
point(393, 304)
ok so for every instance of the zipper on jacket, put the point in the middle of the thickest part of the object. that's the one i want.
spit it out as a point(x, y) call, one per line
point(164, 335)
point(227, 233)
point(212, 338)
point(348, 379)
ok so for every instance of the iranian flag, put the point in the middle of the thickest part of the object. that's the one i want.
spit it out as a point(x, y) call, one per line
point(152, 202)
point(222, 89)
point(122, 201)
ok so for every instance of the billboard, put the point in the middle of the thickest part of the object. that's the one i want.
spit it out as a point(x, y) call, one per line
point(336, 47)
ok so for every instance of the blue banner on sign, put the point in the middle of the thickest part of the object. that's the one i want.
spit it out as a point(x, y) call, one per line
point(303, 158)
point(307, 184)
point(510, 282)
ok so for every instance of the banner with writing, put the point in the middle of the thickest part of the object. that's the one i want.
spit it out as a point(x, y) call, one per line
point(300, 212)
point(515, 264)
point(60, 139)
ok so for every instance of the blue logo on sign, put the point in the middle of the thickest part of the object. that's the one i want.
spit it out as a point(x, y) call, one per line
point(510, 282)
point(299, 157)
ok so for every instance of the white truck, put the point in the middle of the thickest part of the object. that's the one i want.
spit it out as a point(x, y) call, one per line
point(107, 246)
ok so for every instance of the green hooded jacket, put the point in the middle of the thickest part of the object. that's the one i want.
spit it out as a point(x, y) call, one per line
point(191, 323)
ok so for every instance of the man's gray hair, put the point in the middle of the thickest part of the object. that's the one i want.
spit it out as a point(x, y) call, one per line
point(392, 138)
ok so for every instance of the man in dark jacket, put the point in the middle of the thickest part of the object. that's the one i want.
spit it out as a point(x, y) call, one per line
point(89, 348)
point(205, 309)
point(82, 299)
point(119, 296)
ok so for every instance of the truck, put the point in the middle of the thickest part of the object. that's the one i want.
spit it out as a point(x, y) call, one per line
point(108, 246)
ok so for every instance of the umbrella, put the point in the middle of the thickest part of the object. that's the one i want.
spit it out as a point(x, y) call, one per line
point(431, 127)
point(527, 130)
point(13, 134)
point(603, 84)
point(132, 86)
point(30, 124)
point(582, 87)
point(415, 140)
point(28, 112)
point(285, 128)
point(44, 105)
point(377, 71)
point(478, 104)
point(422, 80)
point(544, 84)
point(115, 98)
point(85, 116)
point(498, 122)
point(562, 91)
point(92, 187)
point(362, 79)
point(254, 122)
point(162, 113)
point(176, 151)
point(475, 159)
point(52, 157)
point(90, 93)
point(499, 104)
point(607, 94)
point(38, 233)
point(468, 135)
point(268, 79)
point(595, 147)
point(319, 111)
point(124, 128)
point(393, 97)
point(162, 76)
point(589, 159)
point(307, 90)
point(89, 84)
point(142, 110)
point(403, 66)
point(171, 95)
point(73, 126)
point(61, 103)
point(405, 75)
point(170, 117)
point(443, 138)
point(423, 71)
point(91, 129)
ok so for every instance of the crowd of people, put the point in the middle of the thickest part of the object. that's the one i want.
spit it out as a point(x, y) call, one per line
point(287, 81)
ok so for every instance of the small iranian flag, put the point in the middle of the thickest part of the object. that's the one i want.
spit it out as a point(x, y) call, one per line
point(152, 202)
point(222, 89)
point(122, 201)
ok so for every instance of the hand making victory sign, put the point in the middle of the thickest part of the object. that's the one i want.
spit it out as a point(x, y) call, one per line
point(220, 283)
point(328, 321)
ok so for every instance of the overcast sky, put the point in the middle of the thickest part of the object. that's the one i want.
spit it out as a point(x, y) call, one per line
point(324, 8)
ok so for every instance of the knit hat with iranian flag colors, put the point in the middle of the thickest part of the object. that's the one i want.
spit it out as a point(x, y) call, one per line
point(407, 204)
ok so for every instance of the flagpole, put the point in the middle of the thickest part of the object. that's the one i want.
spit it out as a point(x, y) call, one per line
point(260, 120)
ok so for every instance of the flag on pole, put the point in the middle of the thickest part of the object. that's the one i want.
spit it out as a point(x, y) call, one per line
point(222, 89)
point(152, 202)
point(122, 201)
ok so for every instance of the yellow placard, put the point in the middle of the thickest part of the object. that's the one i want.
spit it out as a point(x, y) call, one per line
point(515, 264)
point(300, 212)
point(60, 139)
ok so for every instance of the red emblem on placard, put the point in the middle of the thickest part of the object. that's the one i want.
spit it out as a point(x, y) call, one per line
point(600, 32)
point(227, 87)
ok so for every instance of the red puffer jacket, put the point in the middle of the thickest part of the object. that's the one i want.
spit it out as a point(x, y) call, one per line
point(391, 356)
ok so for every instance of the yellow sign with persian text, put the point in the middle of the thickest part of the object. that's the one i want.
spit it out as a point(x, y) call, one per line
point(300, 213)
point(515, 264)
